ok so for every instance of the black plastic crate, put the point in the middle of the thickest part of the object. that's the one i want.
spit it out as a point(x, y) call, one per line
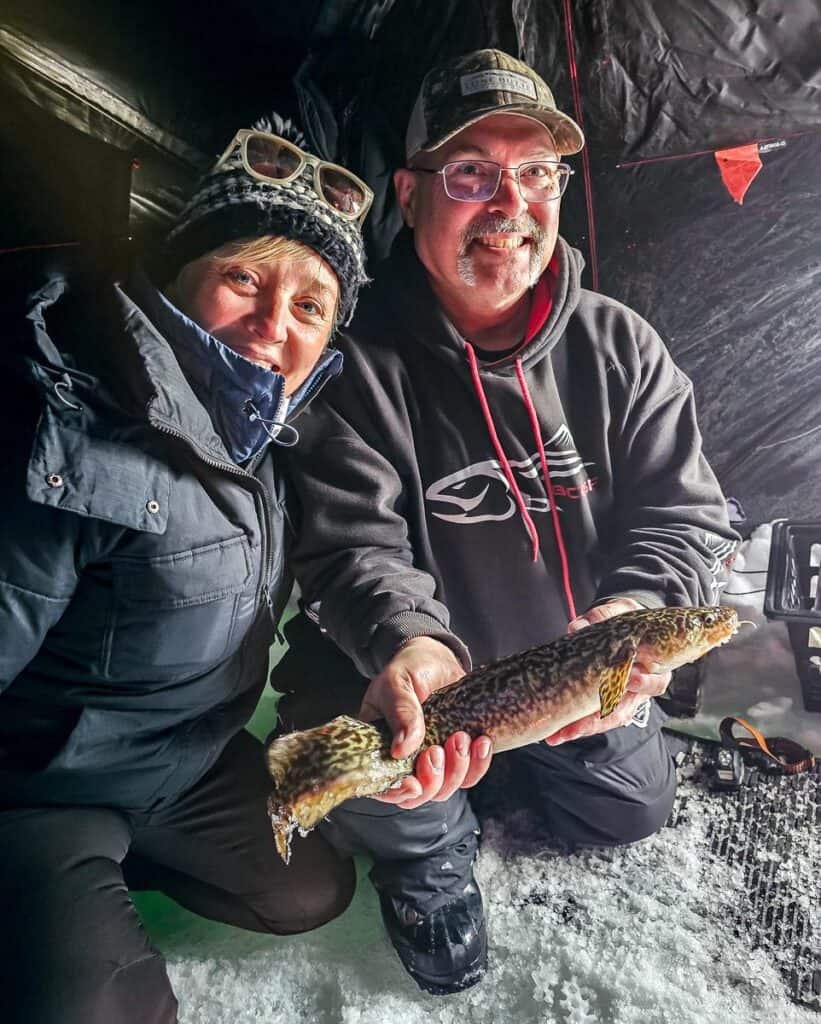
point(794, 596)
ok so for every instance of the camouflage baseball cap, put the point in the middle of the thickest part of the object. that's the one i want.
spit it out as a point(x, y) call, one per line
point(477, 85)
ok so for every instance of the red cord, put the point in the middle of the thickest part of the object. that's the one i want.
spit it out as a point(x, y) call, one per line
point(42, 245)
point(500, 452)
point(709, 152)
point(577, 108)
point(557, 529)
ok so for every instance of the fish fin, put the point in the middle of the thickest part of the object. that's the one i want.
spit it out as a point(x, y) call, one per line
point(283, 824)
point(615, 677)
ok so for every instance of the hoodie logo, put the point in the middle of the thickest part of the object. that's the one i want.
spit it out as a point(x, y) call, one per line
point(480, 493)
point(723, 552)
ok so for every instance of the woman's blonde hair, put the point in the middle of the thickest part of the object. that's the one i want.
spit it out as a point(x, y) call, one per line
point(267, 249)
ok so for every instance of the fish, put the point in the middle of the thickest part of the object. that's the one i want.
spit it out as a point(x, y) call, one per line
point(514, 701)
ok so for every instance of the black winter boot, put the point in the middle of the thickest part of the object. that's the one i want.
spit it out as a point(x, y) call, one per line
point(445, 950)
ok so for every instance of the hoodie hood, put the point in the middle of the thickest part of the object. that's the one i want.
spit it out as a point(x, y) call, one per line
point(404, 279)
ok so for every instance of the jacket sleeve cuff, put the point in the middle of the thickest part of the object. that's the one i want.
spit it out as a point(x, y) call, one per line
point(404, 626)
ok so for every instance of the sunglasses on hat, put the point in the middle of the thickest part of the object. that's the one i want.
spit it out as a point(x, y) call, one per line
point(277, 161)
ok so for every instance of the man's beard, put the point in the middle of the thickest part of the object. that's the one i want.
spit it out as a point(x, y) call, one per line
point(524, 225)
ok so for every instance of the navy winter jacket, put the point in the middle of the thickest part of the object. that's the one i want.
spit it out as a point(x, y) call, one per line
point(141, 570)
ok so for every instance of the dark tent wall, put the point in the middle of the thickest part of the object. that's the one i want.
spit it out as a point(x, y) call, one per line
point(139, 97)
point(732, 288)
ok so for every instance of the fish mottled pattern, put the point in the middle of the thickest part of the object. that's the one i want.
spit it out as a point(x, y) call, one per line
point(516, 700)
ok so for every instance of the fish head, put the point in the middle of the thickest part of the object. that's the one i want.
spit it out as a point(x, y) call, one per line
point(676, 636)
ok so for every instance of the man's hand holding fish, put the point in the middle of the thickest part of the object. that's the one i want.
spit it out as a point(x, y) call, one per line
point(640, 687)
point(421, 666)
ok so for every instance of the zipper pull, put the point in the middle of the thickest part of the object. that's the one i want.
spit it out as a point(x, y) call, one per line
point(269, 603)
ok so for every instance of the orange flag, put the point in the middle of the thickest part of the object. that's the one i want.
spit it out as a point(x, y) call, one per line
point(738, 167)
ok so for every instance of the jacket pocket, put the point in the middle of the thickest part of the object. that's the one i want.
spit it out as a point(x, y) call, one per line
point(175, 615)
point(101, 479)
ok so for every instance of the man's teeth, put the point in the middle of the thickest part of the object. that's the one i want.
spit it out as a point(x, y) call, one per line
point(496, 242)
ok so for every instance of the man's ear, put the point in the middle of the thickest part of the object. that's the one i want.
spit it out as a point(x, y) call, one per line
point(404, 183)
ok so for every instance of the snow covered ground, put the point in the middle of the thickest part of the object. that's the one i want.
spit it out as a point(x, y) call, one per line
point(639, 934)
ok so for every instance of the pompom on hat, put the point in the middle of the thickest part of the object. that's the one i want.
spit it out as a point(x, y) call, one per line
point(228, 204)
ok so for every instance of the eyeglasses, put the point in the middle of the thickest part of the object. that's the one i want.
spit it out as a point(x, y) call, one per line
point(277, 161)
point(476, 181)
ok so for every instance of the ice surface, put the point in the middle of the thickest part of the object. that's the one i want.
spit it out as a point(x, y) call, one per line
point(636, 934)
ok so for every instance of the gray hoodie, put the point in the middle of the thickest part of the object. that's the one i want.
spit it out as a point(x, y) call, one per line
point(417, 520)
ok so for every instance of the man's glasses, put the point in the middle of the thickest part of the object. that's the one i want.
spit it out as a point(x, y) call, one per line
point(476, 181)
point(277, 161)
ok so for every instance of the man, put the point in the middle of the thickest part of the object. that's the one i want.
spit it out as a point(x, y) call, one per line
point(511, 454)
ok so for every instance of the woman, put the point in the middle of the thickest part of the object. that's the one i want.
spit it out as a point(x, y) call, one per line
point(142, 576)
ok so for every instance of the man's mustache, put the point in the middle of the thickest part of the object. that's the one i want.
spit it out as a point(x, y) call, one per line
point(490, 225)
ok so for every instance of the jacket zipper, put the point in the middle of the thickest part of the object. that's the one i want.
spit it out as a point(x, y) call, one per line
point(261, 501)
point(260, 494)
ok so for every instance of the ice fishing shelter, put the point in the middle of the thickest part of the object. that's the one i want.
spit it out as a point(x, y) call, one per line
point(697, 200)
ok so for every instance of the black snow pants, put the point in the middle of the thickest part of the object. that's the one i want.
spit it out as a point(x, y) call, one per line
point(606, 790)
point(73, 949)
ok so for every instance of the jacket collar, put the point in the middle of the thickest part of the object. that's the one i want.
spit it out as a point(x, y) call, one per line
point(203, 389)
point(125, 355)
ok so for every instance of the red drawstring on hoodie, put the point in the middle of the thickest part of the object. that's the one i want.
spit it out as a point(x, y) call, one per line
point(500, 452)
point(542, 302)
point(554, 512)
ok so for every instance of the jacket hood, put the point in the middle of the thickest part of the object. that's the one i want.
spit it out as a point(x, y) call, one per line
point(402, 286)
